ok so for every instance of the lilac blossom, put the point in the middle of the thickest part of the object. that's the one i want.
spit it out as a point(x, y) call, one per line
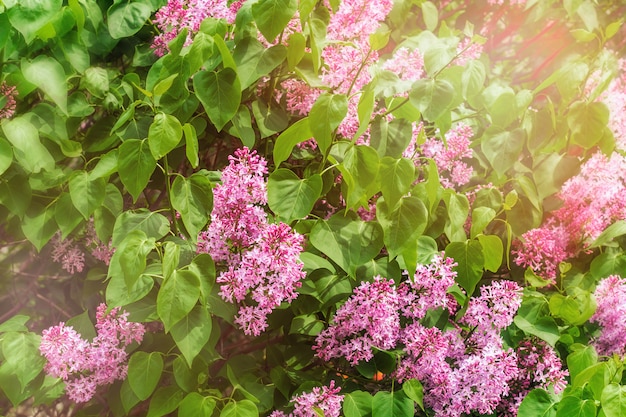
point(68, 254)
point(368, 319)
point(85, 365)
point(449, 155)
point(543, 249)
point(325, 399)
point(261, 260)
point(610, 315)
point(8, 93)
point(495, 308)
point(177, 15)
point(539, 367)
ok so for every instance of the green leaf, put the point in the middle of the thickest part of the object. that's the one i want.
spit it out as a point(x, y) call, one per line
point(153, 224)
point(415, 391)
point(191, 144)
point(21, 353)
point(402, 224)
point(470, 259)
point(573, 406)
point(503, 148)
point(306, 324)
point(325, 116)
point(87, 194)
point(144, 372)
point(27, 149)
point(458, 209)
point(357, 404)
point(492, 251)
point(193, 198)
point(47, 74)
point(192, 332)
point(360, 168)
point(132, 254)
point(135, 165)
point(481, 217)
point(66, 215)
point(177, 297)
point(243, 408)
point(587, 122)
point(430, 15)
point(272, 16)
point(398, 175)
point(295, 49)
point(473, 78)
point(195, 405)
point(614, 230)
point(39, 226)
point(164, 401)
point(220, 94)
point(608, 263)
point(125, 18)
point(537, 403)
point(28, 16)
point(432, 97)
point(96, 81)
point(164, 134)
point(294, 134)
point(545, 328)
point(347, 241)
point(614, 400)
point(581, 358)
point(6, 155)
point(291, 198)
point(392, 404)
point(15, 324)
point(242, 127)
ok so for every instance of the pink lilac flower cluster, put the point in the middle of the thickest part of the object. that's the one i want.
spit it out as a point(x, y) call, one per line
point(369, 319)
point(84, 365)
point(467, 51)
point(592, 200)
point(99, 250)
point(67, 253)
point(463, 369)
point(177, 15)
point(610, 315)
point(539, 367)
point(261, 260)
point(347, 58)
point(8, 93)
point(308, 404)
point(449, 155)
point(615, 99)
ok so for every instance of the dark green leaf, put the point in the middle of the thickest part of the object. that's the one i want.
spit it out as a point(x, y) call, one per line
point(195, 405)
point(39, 226)
point(28, 16)
point(164, 134)
point(126, 18)
point(325, 116)
point(272, 16)
point(432, 97)
point(27, 148)
point(357, 404)
point(153, 224)
point(291, 198)
point(538, 403)
point(220, 94)
point(193, 198)
point(398, 175)
point(392, 404)
point(135, 165)
point(470, 259)
point(177, 296)
point(573, 406)
point(87, 194)
point(144, 372)
point(164, 401)
point(46, 73)
point(192, 332)
point(296, 133)
point(402, 224)
point(243, 408)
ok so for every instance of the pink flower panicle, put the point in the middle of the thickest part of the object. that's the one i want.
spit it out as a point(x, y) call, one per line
point(610, 315)
point(177, 15)
point(542, 250)
point(86, 365)
point(325, 399)
point(467, 51)
point(66, 253)
point(261, 259)
point(99, 250)
point(593, 199)
point(539, 367)
point(449, 156)
point(406, 64)
point(368, 319)
point(9, 93)
point(428, 289)
point(496, 306)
